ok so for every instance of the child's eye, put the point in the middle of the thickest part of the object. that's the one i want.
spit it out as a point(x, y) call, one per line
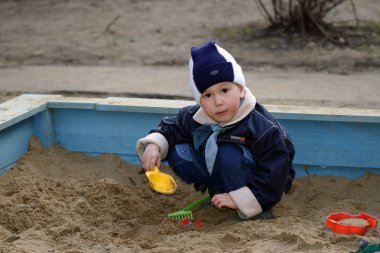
point(207, 95)
point(224, 90)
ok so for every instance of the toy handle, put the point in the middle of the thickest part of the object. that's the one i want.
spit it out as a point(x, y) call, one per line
point(197, 203)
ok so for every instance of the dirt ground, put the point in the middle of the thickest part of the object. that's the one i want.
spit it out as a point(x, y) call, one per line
point(160, 33)
point(149, 32)
point(58, 201)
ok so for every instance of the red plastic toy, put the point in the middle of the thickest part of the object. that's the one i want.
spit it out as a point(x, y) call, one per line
point(187, 222)
point(334, 218)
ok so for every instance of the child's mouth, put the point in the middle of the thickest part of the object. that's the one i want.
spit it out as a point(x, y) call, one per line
point(220, 113)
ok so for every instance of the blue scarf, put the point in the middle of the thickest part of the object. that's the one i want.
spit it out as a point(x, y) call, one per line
point(209, 132)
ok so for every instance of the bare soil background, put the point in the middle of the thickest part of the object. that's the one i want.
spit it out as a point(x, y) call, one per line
point(159, 33)
point(149, 32)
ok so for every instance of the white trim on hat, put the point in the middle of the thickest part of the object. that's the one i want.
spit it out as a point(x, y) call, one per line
point(238, 72)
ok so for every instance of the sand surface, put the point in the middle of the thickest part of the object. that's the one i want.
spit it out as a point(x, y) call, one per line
point(59, 201)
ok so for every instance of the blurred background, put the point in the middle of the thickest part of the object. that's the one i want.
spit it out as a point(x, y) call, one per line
point(305, 52)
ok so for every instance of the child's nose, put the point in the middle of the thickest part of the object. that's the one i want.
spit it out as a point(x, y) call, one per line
point(218, 100)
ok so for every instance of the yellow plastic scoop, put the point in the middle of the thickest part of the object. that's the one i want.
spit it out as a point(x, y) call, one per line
point(161, 182)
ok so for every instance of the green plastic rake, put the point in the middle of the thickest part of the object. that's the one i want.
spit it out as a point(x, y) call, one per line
point(186, 213)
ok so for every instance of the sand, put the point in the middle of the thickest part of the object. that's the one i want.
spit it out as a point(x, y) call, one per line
point(60, 201)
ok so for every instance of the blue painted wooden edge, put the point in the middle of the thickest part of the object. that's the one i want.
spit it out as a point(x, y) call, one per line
point(27, 105)
point(22, 107)
point(280, 112)
point(348, 172)
point(14, 142)
point(145, 105)
point(325, 114)
point(73, 103)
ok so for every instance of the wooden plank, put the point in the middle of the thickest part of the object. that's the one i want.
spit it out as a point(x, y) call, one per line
point(323, 110)
point(14, 142)
point(22, 107)
point(93, 131)
point(349, 172)
point(348, 144)
point(44, 128)
point(327, 143)
point(324, 113)
point(327, 140)
point(160, 106)
point(73, 103)
point(280, 112)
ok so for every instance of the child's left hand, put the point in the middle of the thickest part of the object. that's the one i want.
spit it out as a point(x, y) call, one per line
point(223, 200)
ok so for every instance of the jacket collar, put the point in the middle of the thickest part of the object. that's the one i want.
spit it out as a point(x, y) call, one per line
point(248, 104)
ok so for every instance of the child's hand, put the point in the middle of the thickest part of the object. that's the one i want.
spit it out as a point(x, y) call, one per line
point(151, 157)
point(223, 200)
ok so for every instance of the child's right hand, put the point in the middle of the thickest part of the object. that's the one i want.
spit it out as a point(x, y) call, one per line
point(223, 200)
point(151, 157)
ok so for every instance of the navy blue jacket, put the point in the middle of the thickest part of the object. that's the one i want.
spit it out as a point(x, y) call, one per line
point(269, 142)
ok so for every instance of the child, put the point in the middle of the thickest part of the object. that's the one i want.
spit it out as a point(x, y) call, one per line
point(228, 143)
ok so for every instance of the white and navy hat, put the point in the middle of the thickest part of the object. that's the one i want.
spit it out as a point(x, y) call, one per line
point(210, 64)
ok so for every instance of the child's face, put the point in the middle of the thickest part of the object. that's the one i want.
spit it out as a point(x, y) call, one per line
point(221, 101)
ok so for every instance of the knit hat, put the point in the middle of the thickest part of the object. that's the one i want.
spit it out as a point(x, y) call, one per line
point(210, 64)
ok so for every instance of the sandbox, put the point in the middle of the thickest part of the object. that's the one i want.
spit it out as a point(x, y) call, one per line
point(71, 181)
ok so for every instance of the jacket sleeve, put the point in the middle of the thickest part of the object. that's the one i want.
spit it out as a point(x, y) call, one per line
point(171, 130)
point(273, 159)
